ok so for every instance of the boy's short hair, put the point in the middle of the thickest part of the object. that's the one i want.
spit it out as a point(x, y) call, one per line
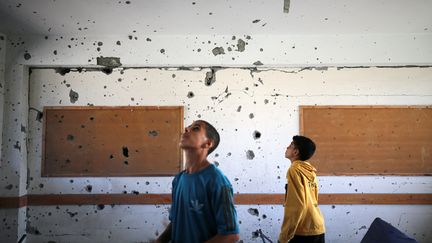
point(211, 134)
point(305, 146)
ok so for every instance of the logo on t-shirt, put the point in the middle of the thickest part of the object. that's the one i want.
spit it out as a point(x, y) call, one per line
point(196, 206)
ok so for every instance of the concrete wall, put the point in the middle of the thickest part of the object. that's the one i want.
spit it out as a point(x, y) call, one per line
point(272, 93)
point(2, 81)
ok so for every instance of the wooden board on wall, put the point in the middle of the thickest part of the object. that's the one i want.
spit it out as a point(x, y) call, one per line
point(111, 141)
point(369, 140)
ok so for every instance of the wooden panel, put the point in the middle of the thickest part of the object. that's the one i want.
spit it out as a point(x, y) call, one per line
point(111, 141)
point(239, 199)
point(370, 140)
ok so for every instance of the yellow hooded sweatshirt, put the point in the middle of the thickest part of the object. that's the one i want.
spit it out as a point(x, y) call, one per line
point(302, 215)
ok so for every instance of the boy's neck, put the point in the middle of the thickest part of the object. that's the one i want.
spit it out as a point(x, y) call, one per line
point(195, 161)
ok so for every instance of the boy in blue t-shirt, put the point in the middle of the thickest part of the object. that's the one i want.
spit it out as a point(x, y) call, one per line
point(202, 208)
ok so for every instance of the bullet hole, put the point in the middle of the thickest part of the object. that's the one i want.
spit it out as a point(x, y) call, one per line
point(210, 77)
point(128, 2)
point(266, 101)
point(111, 156)
point(250, 155)
point(256, 21)
point(125, 151)
point(126, 162)
point(218, 51)
point(153, 133)
point(41, 185)
point(253, 211)
point(236, 179)
point(9, 187)
point(72, 214)
point(333, 206)
point(91, 118)
point(55, 52)
point(216, 164)
point(190, 94)
point(100, 43)
point(239, 108)
point(135, 192)
point(130, 37)
point(147, 183)
point(70, 137)
point(23, 128)
point(118, 43)
point(264, 216)
point(17, 146)
point(27, 56)
point(32, 230)
point(88, 188)
point(73, 96)
point(62, 71)
point(107, 71)
point(256, 135)
point(241, 45)
point(39, 114)
point(229, 154)
point(258, 63)
point(255, 234)
point(100, 206)
point(251, 116)
point(162, 51)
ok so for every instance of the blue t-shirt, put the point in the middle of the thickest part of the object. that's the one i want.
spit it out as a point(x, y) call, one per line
point(202, 206)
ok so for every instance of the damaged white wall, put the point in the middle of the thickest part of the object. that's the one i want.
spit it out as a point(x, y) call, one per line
point(193, 34)
point(272, 96)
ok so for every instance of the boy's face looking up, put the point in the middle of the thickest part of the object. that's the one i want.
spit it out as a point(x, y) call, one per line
point(292, 153)
point(194, 137)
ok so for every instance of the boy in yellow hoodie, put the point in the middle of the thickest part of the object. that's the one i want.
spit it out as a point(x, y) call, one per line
point(303, 221)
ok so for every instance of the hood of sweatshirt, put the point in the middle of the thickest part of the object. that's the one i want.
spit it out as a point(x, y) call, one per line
point(305, 168)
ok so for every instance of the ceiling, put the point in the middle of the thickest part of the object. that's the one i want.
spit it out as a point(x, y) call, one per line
point(213, 17)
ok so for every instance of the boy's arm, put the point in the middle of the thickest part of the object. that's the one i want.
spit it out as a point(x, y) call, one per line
point(294, 206)
point(225, 214)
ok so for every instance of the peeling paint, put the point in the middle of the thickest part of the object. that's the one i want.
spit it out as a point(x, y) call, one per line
point(218, 51)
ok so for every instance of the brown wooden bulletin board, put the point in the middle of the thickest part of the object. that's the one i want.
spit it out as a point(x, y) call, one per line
point(370, 140)
point(111, 141)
